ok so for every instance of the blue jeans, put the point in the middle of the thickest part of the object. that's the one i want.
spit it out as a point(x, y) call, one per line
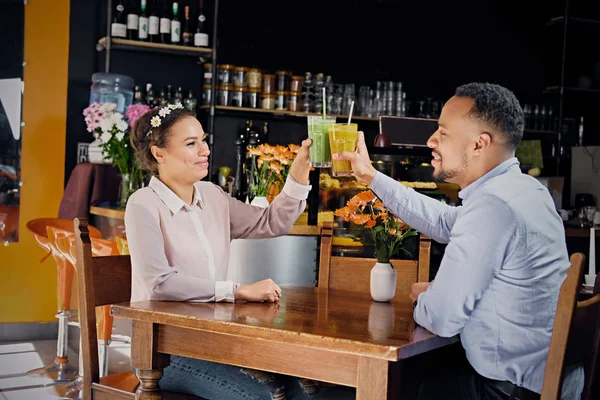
point(216, 381)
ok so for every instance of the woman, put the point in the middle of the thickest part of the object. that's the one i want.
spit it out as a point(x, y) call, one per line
point(179, 231)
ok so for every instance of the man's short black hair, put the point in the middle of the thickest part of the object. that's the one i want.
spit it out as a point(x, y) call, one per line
point(497, 107)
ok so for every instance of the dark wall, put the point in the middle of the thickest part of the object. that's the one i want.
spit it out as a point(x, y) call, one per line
point(430, 45)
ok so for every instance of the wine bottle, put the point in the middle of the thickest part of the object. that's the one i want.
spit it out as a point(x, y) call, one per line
point(175, 25)
point(143, 23)
point(187, 33)
point(201, 38)
point(153, 23)
point(165, 25)
point(118, 28)
point(132, 24)
point(240, 183)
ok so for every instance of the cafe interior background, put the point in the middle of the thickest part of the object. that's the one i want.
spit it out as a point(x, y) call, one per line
point(413, 53)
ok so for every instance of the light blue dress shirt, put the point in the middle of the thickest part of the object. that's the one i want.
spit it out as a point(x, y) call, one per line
point(500, 277)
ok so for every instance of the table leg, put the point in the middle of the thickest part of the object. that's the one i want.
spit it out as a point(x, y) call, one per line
point(377, 379)
point(147, 361)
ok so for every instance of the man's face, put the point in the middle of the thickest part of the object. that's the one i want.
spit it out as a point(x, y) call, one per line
point(454, 139)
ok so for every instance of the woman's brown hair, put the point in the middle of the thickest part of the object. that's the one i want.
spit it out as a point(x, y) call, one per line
point(144, 136)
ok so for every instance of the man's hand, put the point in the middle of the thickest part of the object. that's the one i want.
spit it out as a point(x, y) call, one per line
point(301, 165)
point(417, 289)
point(362, 168)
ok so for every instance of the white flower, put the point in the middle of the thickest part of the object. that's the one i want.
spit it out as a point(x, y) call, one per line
point(155, 122)
point(116, 117)
point(106, 124)
point(120, 135)
point(105, 137)
point(121, 126)
point(163, 112)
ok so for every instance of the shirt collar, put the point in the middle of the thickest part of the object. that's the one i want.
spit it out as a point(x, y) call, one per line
point(500, 169)
point(174, 202)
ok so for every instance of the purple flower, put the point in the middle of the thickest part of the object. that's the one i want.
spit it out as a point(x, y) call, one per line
point(135, 111)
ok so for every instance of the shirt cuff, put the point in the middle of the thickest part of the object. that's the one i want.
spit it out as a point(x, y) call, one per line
point(225, 291)
point(296, 190)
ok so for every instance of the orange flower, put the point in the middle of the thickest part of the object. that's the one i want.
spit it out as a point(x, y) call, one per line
point(379, 205)
point(399, 223)
point(294, 148)
point(276, 167)
point(268, 149)
point(361, 199)
point(359, 219)
point(254, 151)
point(371, 223)
point(267, 157)
point(392, 231)
point(343, 213)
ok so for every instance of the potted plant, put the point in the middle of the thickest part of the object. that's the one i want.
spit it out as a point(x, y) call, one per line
point(386, 232)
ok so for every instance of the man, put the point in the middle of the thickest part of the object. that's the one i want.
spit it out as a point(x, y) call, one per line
point(499, 280)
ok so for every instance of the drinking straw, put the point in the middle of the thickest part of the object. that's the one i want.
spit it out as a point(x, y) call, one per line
point(351, 109)
point(324, 104)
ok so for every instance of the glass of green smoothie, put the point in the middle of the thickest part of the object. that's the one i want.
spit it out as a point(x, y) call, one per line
point(318, 132)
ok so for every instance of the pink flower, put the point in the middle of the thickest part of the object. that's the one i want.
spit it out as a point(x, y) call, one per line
point(135, 111)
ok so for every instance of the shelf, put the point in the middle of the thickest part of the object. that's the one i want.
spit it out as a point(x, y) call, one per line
point(556, 89)
point(583, 21)
point(134, 45)
point(283, 112)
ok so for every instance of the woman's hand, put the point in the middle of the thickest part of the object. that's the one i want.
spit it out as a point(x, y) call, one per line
point(265, 290)
point(301, 166)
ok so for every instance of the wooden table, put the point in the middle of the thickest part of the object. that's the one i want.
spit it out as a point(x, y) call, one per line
point(333, 336)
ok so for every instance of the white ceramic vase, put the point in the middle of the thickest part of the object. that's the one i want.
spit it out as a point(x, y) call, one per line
point(383, 282)
point(260, 202)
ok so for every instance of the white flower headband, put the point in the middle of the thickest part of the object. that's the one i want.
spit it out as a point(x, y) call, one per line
point(162, 113)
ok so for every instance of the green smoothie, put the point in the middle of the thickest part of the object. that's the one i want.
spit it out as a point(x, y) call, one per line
point(318, 132)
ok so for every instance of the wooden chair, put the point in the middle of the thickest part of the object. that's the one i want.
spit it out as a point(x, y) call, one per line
point(353, 273)
point(103, 281)
point(575, 336)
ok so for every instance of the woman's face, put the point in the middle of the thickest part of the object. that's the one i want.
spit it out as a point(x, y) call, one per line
point(185, 158)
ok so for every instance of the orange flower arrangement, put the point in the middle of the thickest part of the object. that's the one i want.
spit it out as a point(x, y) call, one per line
point(270, 166)
point(381, 228)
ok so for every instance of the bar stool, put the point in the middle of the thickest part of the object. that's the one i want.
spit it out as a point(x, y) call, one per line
point(65, 242)
point(59, 370)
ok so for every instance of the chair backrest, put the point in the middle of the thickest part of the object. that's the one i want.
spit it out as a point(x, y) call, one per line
point(102, 281)
point(575, 335)
point(353, 273)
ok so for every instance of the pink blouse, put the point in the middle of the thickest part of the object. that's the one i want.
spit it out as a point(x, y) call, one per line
point(181, 252)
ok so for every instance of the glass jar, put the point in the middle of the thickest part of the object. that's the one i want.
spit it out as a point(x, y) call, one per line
point(268, 84)
point(252, 98)
point(224, 95)
point(254, 78)
point(237, 96)
point(240, 76)
point(206, 94)
point(268, 102)
point(207, 73)
point(224, 74)
point(296, 83)
point(281, 100)
point(294, 101)
point(282, 80)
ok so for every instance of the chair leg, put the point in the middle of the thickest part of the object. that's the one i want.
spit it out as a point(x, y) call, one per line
point(103, 357)
point(60, 370)
point(73, 390)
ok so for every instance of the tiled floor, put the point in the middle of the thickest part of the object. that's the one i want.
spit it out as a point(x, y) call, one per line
point(16, 358)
